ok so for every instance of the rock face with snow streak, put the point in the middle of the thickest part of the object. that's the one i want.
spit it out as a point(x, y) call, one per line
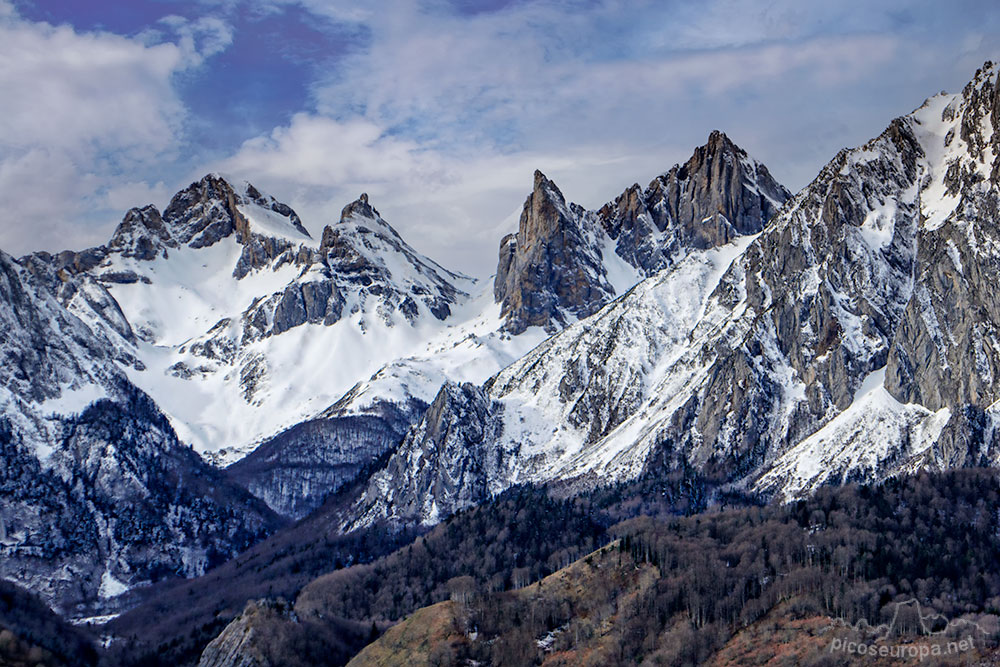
point(552, 269)
point(718, 195)
point(556, 268)
point(222, 300)
point(947, 350)
point(459, 432)
point(97, 492)
point(852, 339)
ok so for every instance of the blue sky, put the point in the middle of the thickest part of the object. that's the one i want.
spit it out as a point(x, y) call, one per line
point(440, 110)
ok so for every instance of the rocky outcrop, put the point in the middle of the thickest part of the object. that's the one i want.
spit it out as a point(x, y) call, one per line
point(551, 269)
point(719, 194)
point(240, 644)
point(555, 269)
point(210, 210)
point(854, 338)
point(448, 461)
point(98, 495)
point(142, 234)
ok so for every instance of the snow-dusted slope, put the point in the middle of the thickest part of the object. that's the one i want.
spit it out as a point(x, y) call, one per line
point(546, 416)
point(295, 470)
point(563, 263)
point(97, 492)
point(245, 324)
point(853, 338)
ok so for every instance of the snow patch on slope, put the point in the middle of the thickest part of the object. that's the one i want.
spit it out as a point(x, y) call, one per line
point(859, 443)
point(646, 332)
point(268, 223)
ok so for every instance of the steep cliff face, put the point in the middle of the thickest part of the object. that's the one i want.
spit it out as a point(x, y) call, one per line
point(239, 323)
point(853, 338)
point(551, 271)
point(244, 641)
point(945, 352)
point(718, 195)
point(564, 262)
point(98, 494)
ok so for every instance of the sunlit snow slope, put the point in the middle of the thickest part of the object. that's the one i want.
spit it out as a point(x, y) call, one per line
point(854, 338)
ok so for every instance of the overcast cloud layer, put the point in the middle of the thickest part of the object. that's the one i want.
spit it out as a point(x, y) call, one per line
point(440, 110)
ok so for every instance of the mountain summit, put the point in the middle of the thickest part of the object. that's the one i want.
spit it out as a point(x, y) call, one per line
point(564, 262)
point(853, 337)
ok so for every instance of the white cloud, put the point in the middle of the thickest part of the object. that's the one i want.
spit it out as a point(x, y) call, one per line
point(77, 111)
point(123, 196)
point(454, 208)
point(40, 193)
point(199, 39)
point(441, 116)
point(317, 151)
point(72, 91)
point(455, 114)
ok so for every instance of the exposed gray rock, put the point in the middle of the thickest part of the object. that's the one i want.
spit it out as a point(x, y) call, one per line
point(555, 268)
point(239, 644)
point(96, 488)
point(203, 213)
point(946, 352)
point(720, 193)
point(448, 461)
point(552, 267)
point(142, 234)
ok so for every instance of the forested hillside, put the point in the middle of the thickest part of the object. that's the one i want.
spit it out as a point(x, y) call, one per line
point(767, 583)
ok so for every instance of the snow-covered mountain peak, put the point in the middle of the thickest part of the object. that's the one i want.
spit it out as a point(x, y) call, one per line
point(204, 213)
point(212, 208)
point(565, 262)
point(372, 257)
point(253, 230)
point(224, 295)
point(856, 336)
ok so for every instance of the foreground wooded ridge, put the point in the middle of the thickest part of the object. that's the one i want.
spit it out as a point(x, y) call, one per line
point(616, 588)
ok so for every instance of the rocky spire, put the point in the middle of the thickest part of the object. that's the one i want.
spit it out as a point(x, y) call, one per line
point(202, 213)
point(359, 208)
point(141, 234)
point(555, 267)
point(551, 268)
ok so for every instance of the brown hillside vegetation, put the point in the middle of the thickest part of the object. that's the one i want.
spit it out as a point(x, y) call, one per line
point(762, 586)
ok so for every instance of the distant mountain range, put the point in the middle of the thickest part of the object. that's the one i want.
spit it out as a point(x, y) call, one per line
point(216, 371)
